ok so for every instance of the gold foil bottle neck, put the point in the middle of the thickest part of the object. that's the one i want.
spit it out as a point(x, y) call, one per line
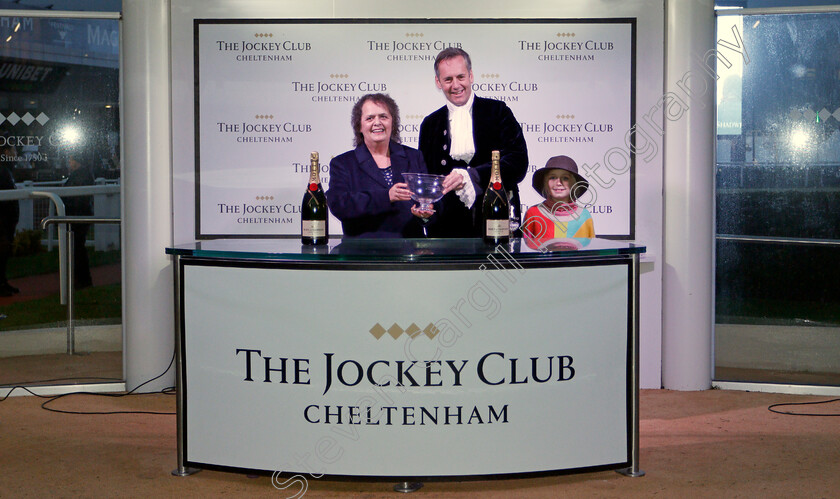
point(495, 171)
point(314, 166)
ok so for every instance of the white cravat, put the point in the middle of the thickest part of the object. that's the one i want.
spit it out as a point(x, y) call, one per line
point(461, 130)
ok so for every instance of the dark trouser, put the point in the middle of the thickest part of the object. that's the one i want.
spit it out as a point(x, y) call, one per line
point(81, 265)
point(7, 237)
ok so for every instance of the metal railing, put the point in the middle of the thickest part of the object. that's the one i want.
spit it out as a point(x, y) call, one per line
point(105, 196)
point(778, 240)
point(66, 273)
point(777, 175)
point(55, 194)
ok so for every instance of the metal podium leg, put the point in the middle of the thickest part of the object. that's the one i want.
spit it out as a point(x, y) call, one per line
point(634, 470)
point(407, 487)
point(181, 470)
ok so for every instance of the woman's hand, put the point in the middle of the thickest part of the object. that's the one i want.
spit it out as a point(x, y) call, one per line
point(399, 192)
point(424, 214)
point(453, 182)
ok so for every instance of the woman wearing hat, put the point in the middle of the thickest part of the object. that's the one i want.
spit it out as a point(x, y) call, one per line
point(559, 215)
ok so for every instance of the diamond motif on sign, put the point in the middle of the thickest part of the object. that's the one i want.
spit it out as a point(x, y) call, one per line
point(42, 118)
point(795, 114)
point(824, 114)
point(13, 118)
point(809, 114)
point(28, 119)
point(836, 114)
point(377, 331)
point(395, 331)
point(412, 330)
point(431, 331)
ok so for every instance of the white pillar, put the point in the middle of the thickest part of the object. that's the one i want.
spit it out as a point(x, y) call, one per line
point(148, 308)
point(689, 198)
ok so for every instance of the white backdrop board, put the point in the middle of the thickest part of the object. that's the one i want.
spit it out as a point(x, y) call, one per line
point(386, 384)
point(267, 92)
point(649, 89)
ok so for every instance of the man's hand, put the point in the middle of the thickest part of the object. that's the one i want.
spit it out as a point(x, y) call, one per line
point(453, 182)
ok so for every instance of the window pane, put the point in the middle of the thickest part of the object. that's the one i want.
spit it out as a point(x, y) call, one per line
point(59, 114)
point(778, 210)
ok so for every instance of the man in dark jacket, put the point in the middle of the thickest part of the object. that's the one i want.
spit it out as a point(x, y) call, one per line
point(9, 211)
point(82, 206)
point(460, 136)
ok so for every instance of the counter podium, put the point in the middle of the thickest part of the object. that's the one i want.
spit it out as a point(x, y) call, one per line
point(410, 358)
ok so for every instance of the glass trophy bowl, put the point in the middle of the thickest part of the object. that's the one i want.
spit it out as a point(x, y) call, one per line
point(425, 189)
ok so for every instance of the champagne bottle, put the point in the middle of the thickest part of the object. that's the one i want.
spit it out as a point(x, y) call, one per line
point(314, 221)
point(496, 207)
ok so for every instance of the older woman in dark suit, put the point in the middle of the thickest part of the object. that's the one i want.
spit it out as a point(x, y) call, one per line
point(367, 192)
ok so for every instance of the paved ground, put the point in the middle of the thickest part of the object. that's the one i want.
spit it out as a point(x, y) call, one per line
point(16, 368)
point(710, 444)
point(41, 286)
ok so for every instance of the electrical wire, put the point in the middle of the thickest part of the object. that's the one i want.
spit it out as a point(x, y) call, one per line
point(24, 389)
point(53, 399)
point(170, 390)
point(21, 384)
point(772, 408)
point(115, 395)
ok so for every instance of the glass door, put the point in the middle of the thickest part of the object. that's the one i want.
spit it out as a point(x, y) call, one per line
point(777, 314)
point(60, 125)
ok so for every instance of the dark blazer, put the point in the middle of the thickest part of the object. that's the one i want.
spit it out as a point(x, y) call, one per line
point(494, 128)
point(9, 210)
point(358, 193)
point(79, 205)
